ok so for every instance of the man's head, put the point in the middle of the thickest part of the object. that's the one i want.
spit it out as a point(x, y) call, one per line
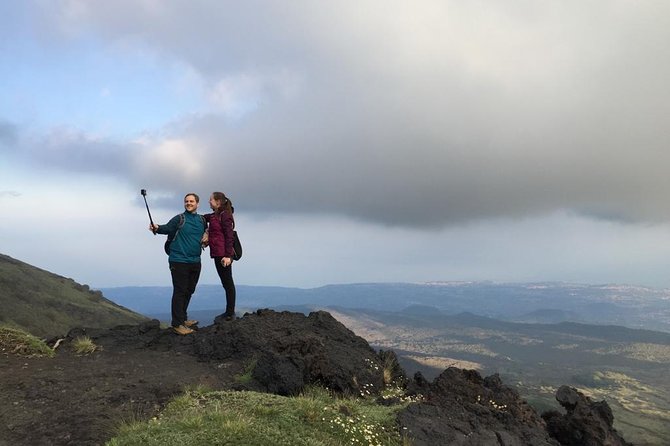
point(191, 202)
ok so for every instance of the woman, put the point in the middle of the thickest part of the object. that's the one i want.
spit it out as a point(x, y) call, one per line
point(220, 240)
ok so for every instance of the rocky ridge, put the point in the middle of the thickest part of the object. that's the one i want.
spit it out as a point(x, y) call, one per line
point(71, 399)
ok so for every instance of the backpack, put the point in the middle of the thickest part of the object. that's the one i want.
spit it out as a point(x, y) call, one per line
point(171, 237)
point(237, 245)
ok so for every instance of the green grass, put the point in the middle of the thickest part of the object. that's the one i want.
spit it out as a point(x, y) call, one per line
point(247, 376)
point(46, 304)
point(315, 418)
point(19, 342)
point(83, 345)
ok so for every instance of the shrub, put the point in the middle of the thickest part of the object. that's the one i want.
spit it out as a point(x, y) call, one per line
point(83, 345)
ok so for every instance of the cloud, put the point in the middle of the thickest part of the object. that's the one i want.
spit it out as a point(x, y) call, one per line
point(8, 133)
point(177, 160)
point(237, 95)
point(168, 165)
point(9, 193)
point(403, 114)
point(74, 150)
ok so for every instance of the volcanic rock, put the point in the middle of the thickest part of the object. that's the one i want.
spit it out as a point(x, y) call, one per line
point(70, 399)
point(461, 408)
point(586, 422)
point(283, 351)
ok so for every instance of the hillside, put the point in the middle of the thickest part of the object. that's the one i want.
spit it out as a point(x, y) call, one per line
point(134, 370)
point(625, 365)
point(46, 304)
point(628, 367)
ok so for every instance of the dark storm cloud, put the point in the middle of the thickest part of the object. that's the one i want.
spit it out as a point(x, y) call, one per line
point(416, 115)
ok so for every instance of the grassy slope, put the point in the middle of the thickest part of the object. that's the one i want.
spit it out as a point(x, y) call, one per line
point(250, 418)
point(18, 342)
point(46, 304)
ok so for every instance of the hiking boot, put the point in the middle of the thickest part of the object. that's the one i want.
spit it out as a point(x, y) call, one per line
point(190, 323)
point(224, 317)
point(182, 330)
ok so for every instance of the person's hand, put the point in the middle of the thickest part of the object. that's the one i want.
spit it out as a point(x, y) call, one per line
point(153, 228)
point(205, 240)
point(226, 261)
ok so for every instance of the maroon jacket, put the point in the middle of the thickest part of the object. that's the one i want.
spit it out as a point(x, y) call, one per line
point(220, 234)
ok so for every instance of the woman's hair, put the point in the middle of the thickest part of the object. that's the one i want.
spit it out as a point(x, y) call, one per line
point(224, 202)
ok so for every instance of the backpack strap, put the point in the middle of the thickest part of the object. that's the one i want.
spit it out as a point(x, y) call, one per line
point(171, 237)
point(182, 219)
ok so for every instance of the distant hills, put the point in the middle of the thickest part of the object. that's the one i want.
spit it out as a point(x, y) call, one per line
point(627, 367)
point(46, 304)
point(611, 342)
point(628, 306)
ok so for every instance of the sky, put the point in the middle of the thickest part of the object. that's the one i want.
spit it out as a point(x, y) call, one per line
point(359, 141)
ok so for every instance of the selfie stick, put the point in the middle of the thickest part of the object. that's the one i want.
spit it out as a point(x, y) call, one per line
point(144, 194)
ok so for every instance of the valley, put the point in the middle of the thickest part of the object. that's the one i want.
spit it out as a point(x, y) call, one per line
point(629, 374)
point(611, 342)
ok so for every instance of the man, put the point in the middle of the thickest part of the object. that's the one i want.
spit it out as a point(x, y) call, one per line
point(186, 231)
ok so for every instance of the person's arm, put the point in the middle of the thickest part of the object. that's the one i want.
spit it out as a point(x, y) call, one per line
point(168, 228)
point(227, 224)
point(204, 242)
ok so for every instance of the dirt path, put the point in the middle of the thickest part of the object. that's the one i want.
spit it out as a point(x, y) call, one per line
point(80, 400)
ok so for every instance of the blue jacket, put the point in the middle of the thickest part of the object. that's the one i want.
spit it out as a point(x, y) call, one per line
point(185, 248)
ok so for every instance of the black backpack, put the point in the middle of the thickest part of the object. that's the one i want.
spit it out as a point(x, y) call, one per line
point(171, 237)
point(237, 245)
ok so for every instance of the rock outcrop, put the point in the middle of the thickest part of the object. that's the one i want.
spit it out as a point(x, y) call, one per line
point(282, 352)
point(461, 408)
point(585, 423)
point(290, 350)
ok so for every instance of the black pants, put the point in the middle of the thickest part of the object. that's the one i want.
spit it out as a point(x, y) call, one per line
point(184, 279)
point(226, 276)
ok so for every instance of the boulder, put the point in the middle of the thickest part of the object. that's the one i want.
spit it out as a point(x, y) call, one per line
point(290, 350)
point(461, 408)
point(585, 423)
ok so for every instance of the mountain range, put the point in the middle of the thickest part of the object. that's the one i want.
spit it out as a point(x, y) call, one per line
point(623, 305)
